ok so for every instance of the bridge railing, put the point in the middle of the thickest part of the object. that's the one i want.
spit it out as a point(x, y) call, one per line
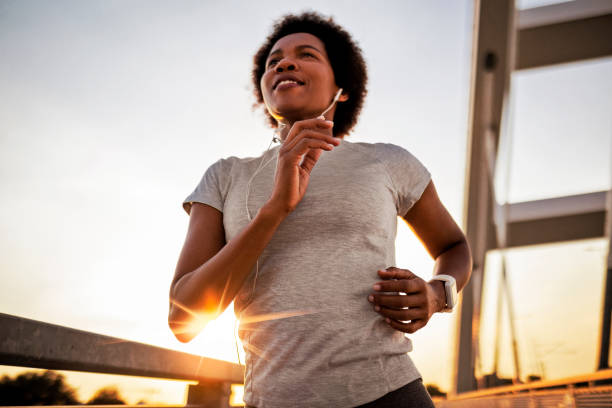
point(589, 390)
point(31, 343)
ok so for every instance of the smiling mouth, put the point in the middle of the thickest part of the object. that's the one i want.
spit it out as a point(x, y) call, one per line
point(287, 83)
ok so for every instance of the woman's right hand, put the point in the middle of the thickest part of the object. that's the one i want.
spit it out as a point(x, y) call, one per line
point(211, 271)
point(297, 157)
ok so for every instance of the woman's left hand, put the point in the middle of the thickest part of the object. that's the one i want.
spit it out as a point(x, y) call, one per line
point(410, 311)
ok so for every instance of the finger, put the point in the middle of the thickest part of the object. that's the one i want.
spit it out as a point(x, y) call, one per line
point(396, 273)
point(308, 134)
point(406, 327)
point(319, 125)
point(398, 301)
point(305, 145)
point(312, 123)
point(295, 155)
point(401, 285)
point(402, 315)
point(312, 134)
point(310, 159)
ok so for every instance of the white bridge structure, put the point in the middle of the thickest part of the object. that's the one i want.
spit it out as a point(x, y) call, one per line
point(507, 40)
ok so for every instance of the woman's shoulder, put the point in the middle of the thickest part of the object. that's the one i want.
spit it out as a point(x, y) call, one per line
point(226, 164)
point(381, 151)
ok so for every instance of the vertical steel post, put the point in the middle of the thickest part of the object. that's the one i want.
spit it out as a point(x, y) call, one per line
point(209, 394)
point(492, 62)
point(604, 343)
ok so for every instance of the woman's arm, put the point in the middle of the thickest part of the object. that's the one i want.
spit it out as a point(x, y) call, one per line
point(441, 236)
point(446, 243)
point(210, 272)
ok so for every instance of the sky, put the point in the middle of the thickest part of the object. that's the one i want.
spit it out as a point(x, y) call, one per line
point(111, 111)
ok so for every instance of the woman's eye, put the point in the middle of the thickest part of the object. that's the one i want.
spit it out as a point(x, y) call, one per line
point(272, 62)
point(307, 54)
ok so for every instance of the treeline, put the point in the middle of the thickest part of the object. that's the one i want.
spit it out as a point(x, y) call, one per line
point(50, 388)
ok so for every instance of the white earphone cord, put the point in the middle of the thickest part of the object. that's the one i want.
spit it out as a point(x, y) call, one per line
point(246, 200)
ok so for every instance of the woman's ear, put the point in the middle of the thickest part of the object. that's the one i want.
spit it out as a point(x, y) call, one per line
point(343, 97)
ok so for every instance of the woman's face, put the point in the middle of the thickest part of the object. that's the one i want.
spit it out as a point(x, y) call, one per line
point(299, 81)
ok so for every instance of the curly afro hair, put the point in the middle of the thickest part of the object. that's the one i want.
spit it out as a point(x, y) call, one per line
point(344, 56)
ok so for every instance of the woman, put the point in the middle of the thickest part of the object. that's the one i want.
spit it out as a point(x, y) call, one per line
point(302, 239)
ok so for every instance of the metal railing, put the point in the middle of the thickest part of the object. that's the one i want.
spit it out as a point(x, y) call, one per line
point(590, 390)
point(31, 343)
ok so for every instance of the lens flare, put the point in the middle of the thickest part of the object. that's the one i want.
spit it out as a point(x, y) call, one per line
point(275, 316)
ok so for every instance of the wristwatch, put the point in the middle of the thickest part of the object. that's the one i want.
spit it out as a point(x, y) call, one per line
point(450, 289)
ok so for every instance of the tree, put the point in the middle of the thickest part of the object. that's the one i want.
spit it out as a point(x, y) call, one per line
point(106, 395)
point(36, 388)
point(534, 377)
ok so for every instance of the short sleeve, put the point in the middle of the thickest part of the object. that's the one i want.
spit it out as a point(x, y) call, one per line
point(408, 175)
point(210, 189)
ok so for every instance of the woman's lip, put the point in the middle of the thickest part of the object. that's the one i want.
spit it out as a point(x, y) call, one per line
point(287, 85)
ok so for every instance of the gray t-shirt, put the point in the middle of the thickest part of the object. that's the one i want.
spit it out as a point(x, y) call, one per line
point(311, 337)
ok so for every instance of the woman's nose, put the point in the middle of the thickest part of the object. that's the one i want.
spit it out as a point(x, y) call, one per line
point(286, 64)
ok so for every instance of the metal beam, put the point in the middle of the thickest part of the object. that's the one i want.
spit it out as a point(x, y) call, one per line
point(552, 230)
point(559, 219)
point(558, 207)
point(492, 60)
point(562, 13)
point(565, 32)
point(30, 343)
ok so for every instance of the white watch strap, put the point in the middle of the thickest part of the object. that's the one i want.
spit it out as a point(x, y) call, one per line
point(450, 290)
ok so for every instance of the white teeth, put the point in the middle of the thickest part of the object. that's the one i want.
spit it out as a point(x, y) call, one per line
point(286, 81)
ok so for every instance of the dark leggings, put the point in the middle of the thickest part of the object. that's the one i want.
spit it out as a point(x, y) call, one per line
point(411, 395)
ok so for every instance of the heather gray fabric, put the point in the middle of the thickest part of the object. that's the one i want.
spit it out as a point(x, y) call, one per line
point(319, 342)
